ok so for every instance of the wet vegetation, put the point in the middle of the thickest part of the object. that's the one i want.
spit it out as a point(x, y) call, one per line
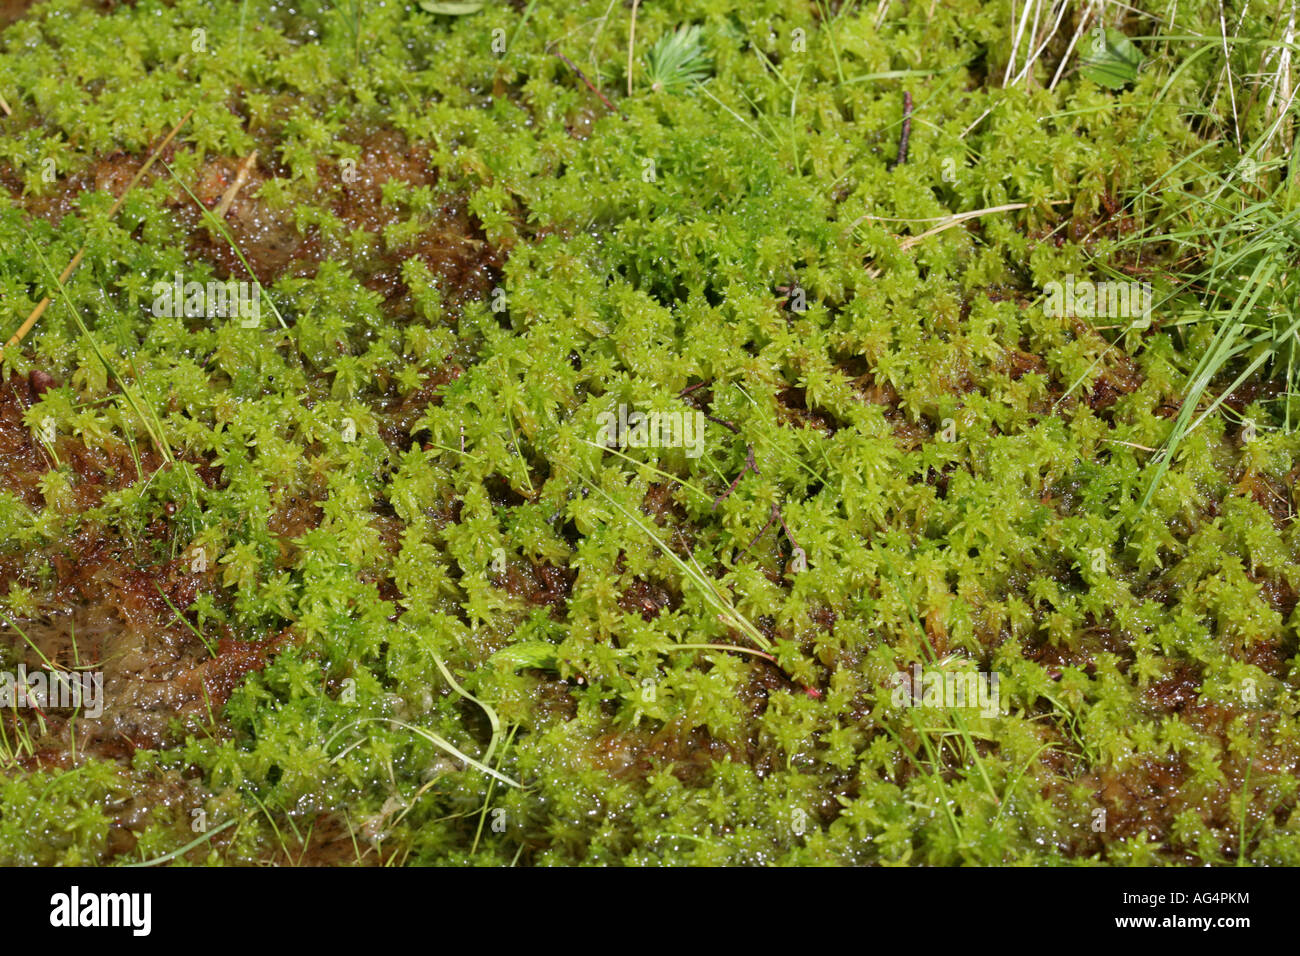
point(366, 587)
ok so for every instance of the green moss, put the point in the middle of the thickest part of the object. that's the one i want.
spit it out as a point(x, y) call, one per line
point(960, 471)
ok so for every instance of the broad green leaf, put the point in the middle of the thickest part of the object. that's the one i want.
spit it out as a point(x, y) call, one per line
point(451, 8)
point(538, 654)
point(1112, 60)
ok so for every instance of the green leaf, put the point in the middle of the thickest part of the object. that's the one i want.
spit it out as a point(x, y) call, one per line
point(451, 8)
point(538, 654)
point(1112, 60)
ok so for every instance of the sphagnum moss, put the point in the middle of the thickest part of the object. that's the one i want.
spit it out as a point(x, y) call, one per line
point(404, 557)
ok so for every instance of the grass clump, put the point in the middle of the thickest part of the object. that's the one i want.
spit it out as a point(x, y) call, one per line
point(677, 61)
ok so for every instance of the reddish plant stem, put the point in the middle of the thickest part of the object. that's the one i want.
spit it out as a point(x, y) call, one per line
point(591, 86)
point(906, 135)
point(749, 466)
